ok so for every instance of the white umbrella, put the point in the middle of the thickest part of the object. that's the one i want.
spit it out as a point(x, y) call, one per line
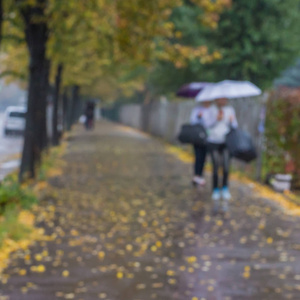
point(228, 89)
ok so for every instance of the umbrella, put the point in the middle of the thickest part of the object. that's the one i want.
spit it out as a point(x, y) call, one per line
point(191, 90)
point(228, 89)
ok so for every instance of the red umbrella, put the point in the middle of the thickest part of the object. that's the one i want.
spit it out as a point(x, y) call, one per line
point(191, 90)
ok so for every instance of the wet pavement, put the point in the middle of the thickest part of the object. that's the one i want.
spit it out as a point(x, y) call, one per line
point(127, 225)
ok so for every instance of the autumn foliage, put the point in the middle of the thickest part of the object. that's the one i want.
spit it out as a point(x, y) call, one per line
point(283, 134)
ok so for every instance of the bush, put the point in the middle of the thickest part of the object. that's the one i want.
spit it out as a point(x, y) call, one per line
point(13, 199)
point(10, 227)
point(13, 195)
point(283, 133)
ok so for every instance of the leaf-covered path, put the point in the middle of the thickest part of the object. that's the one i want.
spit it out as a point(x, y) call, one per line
point(126, 224)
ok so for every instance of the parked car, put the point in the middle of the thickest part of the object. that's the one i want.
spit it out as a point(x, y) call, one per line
point(14, 120)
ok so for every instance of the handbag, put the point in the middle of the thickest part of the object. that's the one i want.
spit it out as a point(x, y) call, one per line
point(193, 134)
point(240, 145)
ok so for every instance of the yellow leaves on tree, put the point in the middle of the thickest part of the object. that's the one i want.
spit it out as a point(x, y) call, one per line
point(102, 38)
point(212, 10)
point(141, 23)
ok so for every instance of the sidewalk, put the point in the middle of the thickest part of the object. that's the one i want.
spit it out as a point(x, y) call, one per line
point(128, 225)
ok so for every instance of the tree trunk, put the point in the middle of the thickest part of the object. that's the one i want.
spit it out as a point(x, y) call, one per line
point(55, 133)
point(66, 110)
point(75, 104)
point(42, 111)
point(35, 131)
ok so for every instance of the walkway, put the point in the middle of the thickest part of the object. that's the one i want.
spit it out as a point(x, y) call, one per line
point(129, 226)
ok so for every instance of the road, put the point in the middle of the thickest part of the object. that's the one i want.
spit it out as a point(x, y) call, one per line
point(10, 147)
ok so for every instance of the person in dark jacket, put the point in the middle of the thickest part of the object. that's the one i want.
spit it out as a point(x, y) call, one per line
point(89, 114)
point(200, 115)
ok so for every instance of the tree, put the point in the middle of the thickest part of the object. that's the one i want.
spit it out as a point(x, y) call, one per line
point(14, 63)
point(56, 97)
point(36, 35)
point(166, 77)
point(92, 51)
point(257, 39)
point(183, 51)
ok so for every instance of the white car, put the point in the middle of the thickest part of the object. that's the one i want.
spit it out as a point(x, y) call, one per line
point(14, 120)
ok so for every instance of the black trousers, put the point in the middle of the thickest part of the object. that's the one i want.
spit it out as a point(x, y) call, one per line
point(220, 158)
point(200, 156)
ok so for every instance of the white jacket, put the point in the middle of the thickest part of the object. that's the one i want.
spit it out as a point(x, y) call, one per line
point(207, 116)
point(219, 129)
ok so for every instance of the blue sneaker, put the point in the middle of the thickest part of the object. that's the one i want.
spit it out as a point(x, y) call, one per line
point(216, 195)
point(226, 194)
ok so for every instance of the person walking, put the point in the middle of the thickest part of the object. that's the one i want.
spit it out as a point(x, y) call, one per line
point(200, 115)
point(89, 115)
point(224, 120)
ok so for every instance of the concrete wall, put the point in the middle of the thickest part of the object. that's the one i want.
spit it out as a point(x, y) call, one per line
point(164, 119)
point(130, 115)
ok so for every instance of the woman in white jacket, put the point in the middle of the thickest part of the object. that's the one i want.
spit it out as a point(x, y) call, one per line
point(224, 120)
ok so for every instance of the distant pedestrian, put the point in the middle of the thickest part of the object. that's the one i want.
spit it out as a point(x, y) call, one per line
point(224, 120)
point(200, 115)
point(89, 115)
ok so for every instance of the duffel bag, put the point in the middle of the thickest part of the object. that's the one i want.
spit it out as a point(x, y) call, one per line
point(240, 145)
point(192, 134)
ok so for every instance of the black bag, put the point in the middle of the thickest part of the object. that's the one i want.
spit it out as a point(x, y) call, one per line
point(240, 145)
point(193, 134)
